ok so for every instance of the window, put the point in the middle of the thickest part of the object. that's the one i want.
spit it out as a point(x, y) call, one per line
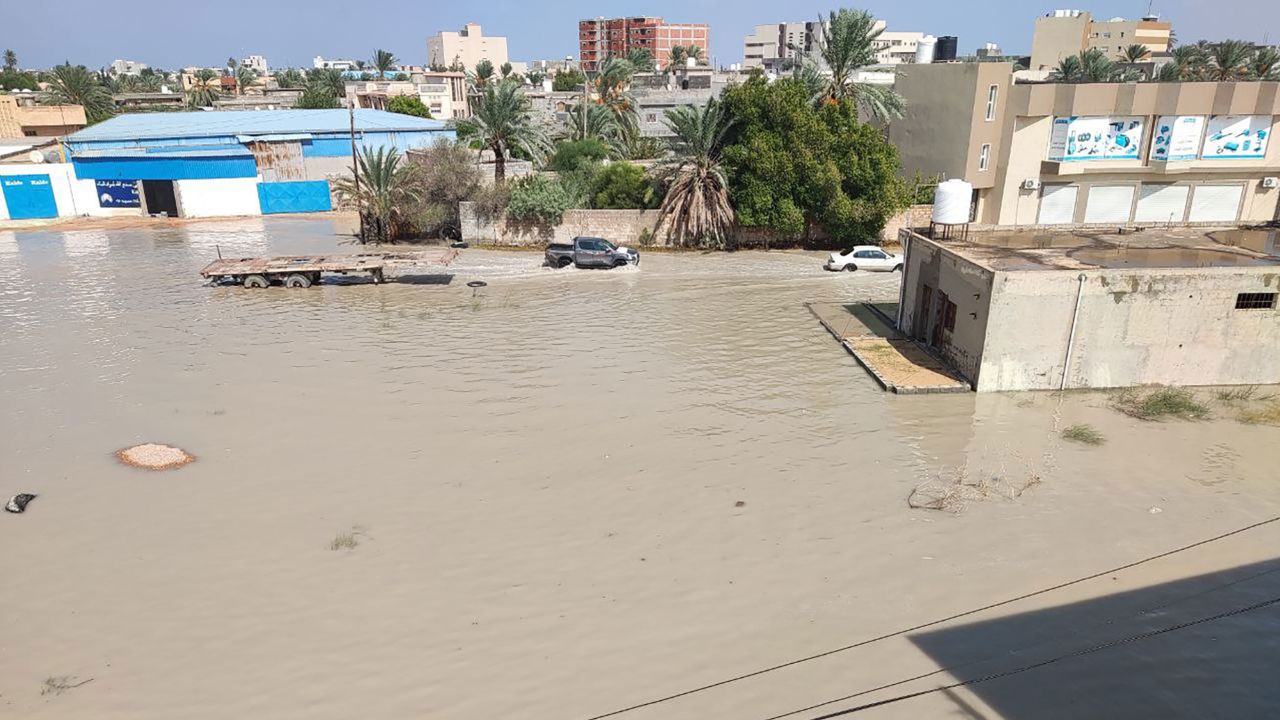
point(984, 156)
point(651, 117)
point(1256, 301)
point(992, 93)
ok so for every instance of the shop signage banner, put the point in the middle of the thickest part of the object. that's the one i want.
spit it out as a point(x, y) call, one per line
point(1237, 137)
point(1095, 138)
point(118, 193)
point(1177, 137)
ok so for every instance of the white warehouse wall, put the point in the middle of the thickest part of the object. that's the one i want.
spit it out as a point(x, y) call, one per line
point(74, 197)
point(218, 198)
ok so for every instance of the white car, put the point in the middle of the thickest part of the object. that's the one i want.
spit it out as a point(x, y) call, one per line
point(864, 257)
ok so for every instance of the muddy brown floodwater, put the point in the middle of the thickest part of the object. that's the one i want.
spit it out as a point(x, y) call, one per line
point(569, 493)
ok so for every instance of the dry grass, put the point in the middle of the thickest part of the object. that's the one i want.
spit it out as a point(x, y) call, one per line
point(348, 539)
point(1159, 403)
point(1085, 434)
point(1243, 393)
point(58, 684)
point(953, 490)
point(1266, 415)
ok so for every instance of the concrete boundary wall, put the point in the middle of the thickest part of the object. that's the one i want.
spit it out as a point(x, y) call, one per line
point(217, 198)
point(74, 197)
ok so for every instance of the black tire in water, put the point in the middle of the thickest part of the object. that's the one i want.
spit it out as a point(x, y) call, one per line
point(897, 268)
point(297, 280)
point(256, 281)
point(850, 268)
point(564, 262)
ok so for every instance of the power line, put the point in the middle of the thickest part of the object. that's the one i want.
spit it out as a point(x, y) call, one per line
point(1050, 661)
point(922, 626)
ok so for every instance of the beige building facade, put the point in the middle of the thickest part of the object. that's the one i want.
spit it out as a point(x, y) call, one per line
point(444, 93)
point(1105, 154)
point(23, 117)
point(1064, 33)
point(466, 47)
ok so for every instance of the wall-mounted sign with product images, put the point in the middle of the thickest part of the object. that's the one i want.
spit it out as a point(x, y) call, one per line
point(1177, 138)
point(1237, 137)
point(117, 193)
point(1095, 138)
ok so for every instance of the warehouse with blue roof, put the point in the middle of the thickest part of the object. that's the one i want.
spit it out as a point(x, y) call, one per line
point(210, 164)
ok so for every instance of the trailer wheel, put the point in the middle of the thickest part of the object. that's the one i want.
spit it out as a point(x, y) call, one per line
point(256, 281)
point(377, 276)
point(297, 280)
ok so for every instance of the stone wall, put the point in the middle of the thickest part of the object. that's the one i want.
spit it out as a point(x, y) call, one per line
point(621, 227)
point(913, 218)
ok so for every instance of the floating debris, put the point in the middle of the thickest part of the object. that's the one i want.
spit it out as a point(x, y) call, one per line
point(153, 456)
point(18, 503)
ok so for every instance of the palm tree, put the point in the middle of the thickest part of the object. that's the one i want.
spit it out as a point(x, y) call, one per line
point(502, 120)
point(696, 207)
point(246, 77)
point(1136, 53)
point(1090, 66)
point(505, 70)
point(205, 89)
point(289, 79)
point(1265, 65)
point(333, 81)
point(677, 58)
point(641, 59)
point(384, 62)
point(1188, 62)
point(611, 86)
point(599, 122)
point(385, 192)
point(10, 60)
point(1229, 60)
point(845, 45)
point(694, 52)
point(535, 78)
point(76, 85)
point(231, 66)
point(483, 74)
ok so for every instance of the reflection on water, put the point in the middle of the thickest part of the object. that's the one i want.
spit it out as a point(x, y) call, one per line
point(1260, 241)
point(1031, 240)
point(549, 468)
point(1124, 257)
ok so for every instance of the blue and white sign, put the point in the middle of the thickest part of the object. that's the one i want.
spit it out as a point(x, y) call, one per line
point(28, 196)
point(1177, 138)
point(118, 193)
point(1237, 137)
point(1095, 138)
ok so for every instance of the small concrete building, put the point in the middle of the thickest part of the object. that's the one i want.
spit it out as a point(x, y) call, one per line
point(1102, 154)
point(208, 164)
point(22, 116)
point(1022, 310)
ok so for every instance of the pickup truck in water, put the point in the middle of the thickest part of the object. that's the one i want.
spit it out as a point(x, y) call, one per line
point(588, 252)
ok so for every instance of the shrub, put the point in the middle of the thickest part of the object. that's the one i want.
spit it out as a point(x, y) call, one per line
point(1083, 433)
point(446, 174)
point(622, 186)
point(574, 154)
point(537, 198)
point(566, 80)
point(408, 105)
point(317, 97)
point(1160, 403)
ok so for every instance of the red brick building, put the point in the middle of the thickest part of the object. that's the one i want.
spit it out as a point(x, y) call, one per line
point(600, 38)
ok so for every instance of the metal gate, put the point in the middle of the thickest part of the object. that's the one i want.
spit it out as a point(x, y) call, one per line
point(29, 196)
point(294, 197)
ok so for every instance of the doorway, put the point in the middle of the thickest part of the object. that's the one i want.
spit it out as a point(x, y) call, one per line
point(158, 197)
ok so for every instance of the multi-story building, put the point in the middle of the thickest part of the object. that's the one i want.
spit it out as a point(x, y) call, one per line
point(22, 116)
point(466, 48)
point(1063, 33)
point(779, 42)
point(320, 63)
point(444, 93)
point(127, 67)
point(1108, 154)
point(602, 38)
point(257, 63)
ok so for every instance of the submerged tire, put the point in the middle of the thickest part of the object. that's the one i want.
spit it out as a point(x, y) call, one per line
point(297, 280)
point(897, 268)
point(564, 262)
point(256, 281)
point(850, 268)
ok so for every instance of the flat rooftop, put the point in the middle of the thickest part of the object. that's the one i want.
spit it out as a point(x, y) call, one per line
point(1019, 250)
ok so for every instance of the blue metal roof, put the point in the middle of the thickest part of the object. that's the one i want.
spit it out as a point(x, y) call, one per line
point(145, 126)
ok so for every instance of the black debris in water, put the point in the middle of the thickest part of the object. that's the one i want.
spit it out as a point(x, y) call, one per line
point(18, 503)
point(477, 284)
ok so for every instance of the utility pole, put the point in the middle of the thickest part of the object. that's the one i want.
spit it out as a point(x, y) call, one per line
point(355, 165)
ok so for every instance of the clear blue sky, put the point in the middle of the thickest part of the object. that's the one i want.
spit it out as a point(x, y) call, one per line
point(171, 34)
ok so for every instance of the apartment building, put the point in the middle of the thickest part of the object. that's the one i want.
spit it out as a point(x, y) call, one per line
point(127, 67)
point(257, 63)
point(321, 63)
point(466, 48)
point(22, 116)
point(602, 38)
point(1063, 33)
point(1102, 154)
point(779, 42)
point(444, 93)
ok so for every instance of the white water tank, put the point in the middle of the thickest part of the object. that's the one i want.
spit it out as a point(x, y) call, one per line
point(925, 49)
point(951, 202)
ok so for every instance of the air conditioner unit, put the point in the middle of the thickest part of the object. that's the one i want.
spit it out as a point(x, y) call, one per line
point(1031, 184)
point(1270, 182)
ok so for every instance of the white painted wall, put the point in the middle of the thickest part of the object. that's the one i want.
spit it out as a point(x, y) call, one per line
point(222, 197)
point(74, 197)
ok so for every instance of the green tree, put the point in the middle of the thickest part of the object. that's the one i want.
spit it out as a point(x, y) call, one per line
point(408, 105)
point(205, 89)
point(246, 77)
point(446, 175)
point(505, 70)
point(1090, 66)
point(538, 198)
point(1265, 65)
point(572, 155)
point(1136, 53)
point(290, 79)
point(15, 80)
point(696, 206)
point(10, 60)
point(871, 190)
point(384, 62)
point(1229, 60)
point(569, 79)
point(317, 97)
point(329, 79)
point(231, 66)
point(76, 85)
point(612, 90)
point(621, 186)
point(386, 192)
point(641, 59)
point(846, 45)
point(483, 74)
point(502, 120)
point(535, 78)
point(676, 58)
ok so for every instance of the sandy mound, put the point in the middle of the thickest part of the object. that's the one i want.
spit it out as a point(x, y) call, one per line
point(154, 457)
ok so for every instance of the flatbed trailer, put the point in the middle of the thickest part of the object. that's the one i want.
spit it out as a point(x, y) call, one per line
point(303, 271)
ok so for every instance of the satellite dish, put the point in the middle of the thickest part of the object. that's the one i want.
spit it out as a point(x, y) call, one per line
point(35, 156)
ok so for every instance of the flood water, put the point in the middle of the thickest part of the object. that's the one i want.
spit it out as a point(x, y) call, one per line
point(574, 492)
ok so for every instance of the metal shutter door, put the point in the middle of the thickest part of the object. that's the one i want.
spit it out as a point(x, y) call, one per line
point(1058, 204)
point(1216, 203)
point(1109, 204)
point(1162, 203)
